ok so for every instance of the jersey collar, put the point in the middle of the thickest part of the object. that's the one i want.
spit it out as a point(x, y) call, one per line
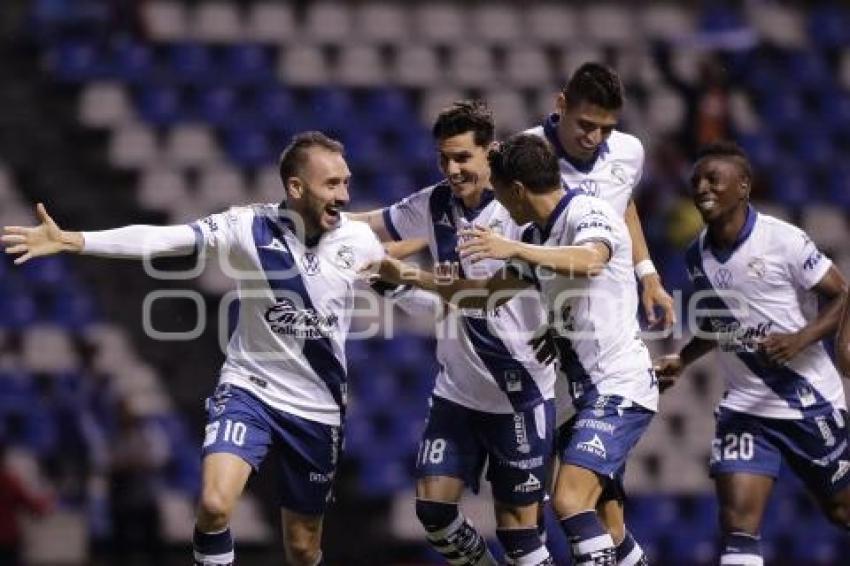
point(550, 129)
point(289, 224)
point(546, 230)
point(471, 213)
point(723, 255)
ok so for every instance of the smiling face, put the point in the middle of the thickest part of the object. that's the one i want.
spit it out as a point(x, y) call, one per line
point(464, 163)
point(583, 127)
point(320, 191)
point(719, 187)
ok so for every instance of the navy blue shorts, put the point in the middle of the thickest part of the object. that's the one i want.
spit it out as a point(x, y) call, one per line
point(600, 436)
point(517, 448)
point(816, 448)
point(241, 424)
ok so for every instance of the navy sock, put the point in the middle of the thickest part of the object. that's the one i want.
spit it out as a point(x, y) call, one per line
point(213, 549)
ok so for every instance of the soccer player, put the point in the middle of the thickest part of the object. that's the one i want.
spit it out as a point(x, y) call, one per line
point(578, 255)
point(493, 401)
point(842, 343)
point(607, 163)
point(604, 162)
point(761, 278)
point(283, 381)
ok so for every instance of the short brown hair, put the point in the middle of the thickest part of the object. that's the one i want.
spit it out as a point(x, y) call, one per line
point(466, 116)
point(597, 84)
point(528, 159)
point(294, 156)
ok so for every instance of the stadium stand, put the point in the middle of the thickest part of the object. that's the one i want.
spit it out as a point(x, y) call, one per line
point(186, 106)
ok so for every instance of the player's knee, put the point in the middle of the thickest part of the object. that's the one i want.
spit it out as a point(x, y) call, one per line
point(302, 548)
point(435, 515)
point(838, 513)
point(215, 508)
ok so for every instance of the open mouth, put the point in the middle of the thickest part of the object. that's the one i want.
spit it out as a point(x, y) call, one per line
point(333, 211)
point(707, 204)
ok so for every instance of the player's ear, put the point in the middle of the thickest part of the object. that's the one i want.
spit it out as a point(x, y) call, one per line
point(294, 188)
point(561, 103)
point(745, 189)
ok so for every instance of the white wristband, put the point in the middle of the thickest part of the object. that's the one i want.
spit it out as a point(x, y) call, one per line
point(644, 268)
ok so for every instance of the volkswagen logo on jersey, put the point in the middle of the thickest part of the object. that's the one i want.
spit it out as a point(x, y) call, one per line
point(344, 257)
point(723, 278)
point(310, 261)
point(285, 318)
point(590, 187)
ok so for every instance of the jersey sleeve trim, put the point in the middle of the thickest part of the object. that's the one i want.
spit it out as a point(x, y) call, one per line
point(388, 223)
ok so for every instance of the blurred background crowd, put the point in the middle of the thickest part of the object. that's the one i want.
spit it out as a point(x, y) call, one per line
point(115, 112)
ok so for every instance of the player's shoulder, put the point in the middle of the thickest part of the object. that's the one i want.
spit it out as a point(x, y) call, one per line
point(625, 146)
point(356, 232)
point(584, 203)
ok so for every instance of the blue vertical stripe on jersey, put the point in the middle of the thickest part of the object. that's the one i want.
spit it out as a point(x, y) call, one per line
point(786, 383)
point(318, 352)
point(490, 348)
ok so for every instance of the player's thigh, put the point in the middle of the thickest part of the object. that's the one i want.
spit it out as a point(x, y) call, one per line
point(520, 447)
point(451, 455)
point(308, 455)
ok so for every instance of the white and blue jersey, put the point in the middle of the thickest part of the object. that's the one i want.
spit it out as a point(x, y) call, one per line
point(485, 361)
point(612, 174)
point(594, 317)
point(295, 303)
point(765, 281)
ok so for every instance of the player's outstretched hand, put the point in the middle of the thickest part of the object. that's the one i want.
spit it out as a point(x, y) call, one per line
point(477, 243)
point(654, 295)
point(543, 344)
point(780, 349)
point(667, 369)
point(44, 239)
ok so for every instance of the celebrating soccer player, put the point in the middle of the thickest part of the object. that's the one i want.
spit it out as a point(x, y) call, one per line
point(283, 381)
point(757, 282)
point(577, 253)
point(492, 401)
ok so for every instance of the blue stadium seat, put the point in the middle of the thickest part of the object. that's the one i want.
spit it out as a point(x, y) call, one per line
point(74, 308)
point(791, 184)
point(276, 108)
point(160, 104)
point(78, 61)
point(719, 17)
point(365, 150)
point(815, 148)
point(838, 186)
point(380, 477)
point(247, 64)
point(217, 105)
point(132, 61)
point(192, 63)
point(829, 25)
point(47, 271)
point(808, 70)
point(418, 149)
point(333, 109)
point(390, 110)
point(17, 310)
point(783, 110)
point(761, 148)
point(249, 147)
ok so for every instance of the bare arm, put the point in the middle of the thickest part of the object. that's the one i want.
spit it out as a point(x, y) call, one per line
point(669, 368)
point(584, 260)
point(128, 242)
point(397, 249)
point(464, 293)
point(842, 342)
point(653, 291)
point(781, 348)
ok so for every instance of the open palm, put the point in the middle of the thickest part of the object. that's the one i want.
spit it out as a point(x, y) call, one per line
point(44, 239)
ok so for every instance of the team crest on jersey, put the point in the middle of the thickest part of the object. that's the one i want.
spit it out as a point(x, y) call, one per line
point(756, 268)
point(619, 174)
point(497, 226)
point(344, 257)
point(211, 223)
point(723, 278)
point(286, 318)
point(310, 261)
